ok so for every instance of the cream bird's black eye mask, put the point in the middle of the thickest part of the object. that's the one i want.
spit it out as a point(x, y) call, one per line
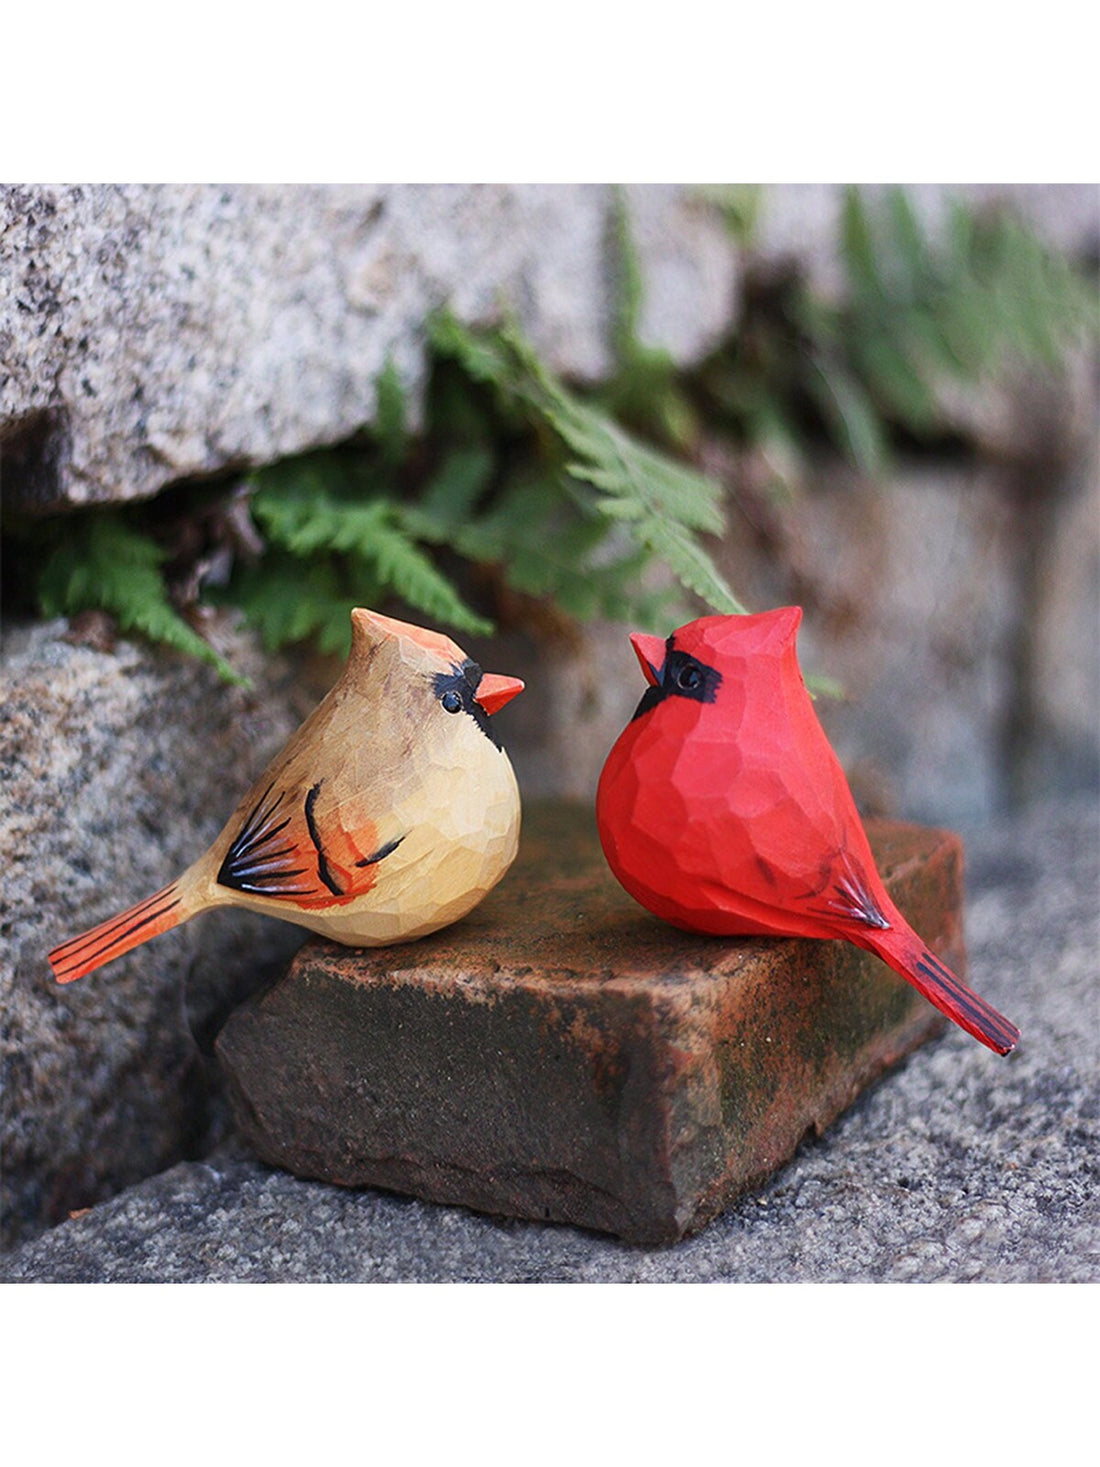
point(456, 690)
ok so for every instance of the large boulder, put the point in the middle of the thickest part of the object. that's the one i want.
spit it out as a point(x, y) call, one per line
point(117, 769)
point(153, 333)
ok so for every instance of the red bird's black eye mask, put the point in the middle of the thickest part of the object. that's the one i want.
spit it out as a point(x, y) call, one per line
point(681, 676)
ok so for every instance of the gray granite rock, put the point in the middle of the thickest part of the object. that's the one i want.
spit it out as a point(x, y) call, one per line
point(116, 770)
point(961, 1167)
point(150, 333)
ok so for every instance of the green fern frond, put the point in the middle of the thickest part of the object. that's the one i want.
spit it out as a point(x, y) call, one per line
point(482, 355)
point(404, 566)
point(450, 497)
point(105, 565)
point(288, 600)
point(390, 430)
point(645, 391)
point(664, 505)
point(983, 296)
point(312, 507)
point(737, 204)
point(545, 543)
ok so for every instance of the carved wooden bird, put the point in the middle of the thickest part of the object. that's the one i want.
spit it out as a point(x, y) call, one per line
point(723, 808)
point(390, 813)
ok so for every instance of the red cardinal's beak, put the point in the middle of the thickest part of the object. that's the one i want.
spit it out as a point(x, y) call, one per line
point(650, 652)
point(493, 691)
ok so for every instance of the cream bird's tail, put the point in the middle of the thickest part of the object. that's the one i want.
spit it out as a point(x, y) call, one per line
point(159, 913)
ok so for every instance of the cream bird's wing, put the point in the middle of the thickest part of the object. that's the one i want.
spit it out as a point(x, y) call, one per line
point(295, 845)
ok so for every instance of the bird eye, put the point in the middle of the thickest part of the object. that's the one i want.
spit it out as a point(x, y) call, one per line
point(688, 678)
point(451, 701)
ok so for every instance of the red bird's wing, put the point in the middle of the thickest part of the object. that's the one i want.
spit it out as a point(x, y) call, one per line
point(735, 816)
point(290, 848)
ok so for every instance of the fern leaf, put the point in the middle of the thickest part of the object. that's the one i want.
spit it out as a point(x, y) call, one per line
point(308, 515)
point(480, 355)
point(662, 503)
point(288, 600)
point(689, 563)
point(848, 413)
point(108, 566)
point(404, 566)
point(390, 416)
point(858, 247)
point(451, 495)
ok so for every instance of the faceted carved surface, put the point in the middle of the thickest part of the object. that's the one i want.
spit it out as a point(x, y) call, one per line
point(391, 812)
point(562, 1055)
point(722, 808)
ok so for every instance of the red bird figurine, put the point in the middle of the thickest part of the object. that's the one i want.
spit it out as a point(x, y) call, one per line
point(390, 813)
point(723, 809)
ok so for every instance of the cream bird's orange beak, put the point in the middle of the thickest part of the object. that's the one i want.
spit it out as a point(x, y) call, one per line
point(650, 652)
point(493, 691)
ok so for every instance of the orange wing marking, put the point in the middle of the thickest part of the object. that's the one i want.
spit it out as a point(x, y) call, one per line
point(282, 852)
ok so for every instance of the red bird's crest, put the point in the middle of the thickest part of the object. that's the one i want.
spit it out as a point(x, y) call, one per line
point(723, 808)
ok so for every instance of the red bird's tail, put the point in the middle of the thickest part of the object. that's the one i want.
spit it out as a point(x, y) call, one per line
point(907, 955)
point(99, 945)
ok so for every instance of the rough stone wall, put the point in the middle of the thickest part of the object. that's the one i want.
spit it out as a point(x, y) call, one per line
point(150, 333)
point(153, 333)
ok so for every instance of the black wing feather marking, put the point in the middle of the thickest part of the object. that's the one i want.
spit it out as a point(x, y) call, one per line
point(323, 870)
point(253, 862)
point(381, 853)
point(851, 897)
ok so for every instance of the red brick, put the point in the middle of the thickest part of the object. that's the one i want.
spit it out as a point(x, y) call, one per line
point(561, 1054)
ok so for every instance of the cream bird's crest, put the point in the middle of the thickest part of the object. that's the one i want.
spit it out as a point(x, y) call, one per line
point(381, 645)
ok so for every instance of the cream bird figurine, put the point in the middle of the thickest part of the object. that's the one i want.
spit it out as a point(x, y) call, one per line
point(390, 813)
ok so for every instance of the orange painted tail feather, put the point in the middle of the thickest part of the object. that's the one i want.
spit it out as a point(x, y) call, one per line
point(908, 956)
point(90, 950)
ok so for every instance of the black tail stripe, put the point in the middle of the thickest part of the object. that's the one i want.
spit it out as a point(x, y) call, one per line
point(935, 964)
point(129, 932)
point(971, 1003)
point(965, 998)
point(75, 944)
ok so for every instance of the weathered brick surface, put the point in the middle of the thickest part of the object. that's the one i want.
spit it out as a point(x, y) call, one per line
point(561, 1054)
